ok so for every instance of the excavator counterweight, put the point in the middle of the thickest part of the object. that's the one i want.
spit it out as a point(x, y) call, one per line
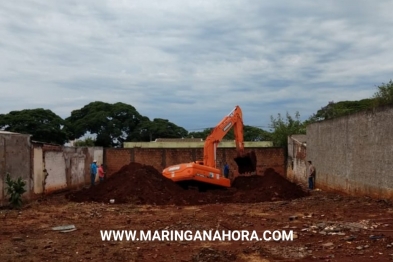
point(206, 172)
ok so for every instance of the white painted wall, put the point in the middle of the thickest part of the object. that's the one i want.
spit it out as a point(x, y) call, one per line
point(98, 154)
point(70, 161)
point(38, 173)
point(77, 170)
point(55, 165)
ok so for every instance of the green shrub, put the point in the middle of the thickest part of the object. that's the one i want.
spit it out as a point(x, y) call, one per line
point(15, 189)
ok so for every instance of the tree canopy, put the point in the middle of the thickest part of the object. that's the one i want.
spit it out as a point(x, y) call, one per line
point(333, 110)
point(112, 123)
point(158, 128)
point(200, 134)
point(85, 142)
point(42, 124)
point(250, 133)
point(284, 127)
point(384, 94)
point(256, 134)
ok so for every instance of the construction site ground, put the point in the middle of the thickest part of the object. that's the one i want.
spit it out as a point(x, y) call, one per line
point(326, 227)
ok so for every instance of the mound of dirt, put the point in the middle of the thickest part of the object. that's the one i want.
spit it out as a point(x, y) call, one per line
point(133, 183)
point(143, 184)
point(269, 186)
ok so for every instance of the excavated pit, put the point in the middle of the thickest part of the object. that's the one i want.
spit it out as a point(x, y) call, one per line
point(142, 184)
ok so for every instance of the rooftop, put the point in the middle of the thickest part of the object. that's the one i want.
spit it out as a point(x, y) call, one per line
point(178, 140)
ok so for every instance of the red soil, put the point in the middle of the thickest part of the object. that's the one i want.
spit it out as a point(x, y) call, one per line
point(142, 184)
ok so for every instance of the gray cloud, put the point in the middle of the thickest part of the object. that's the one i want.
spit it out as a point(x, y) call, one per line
point(192, 61)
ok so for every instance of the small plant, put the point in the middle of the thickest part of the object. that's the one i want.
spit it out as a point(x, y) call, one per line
point(15, 189)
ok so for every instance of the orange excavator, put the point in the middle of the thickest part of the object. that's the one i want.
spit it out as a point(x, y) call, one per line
point(205, 172)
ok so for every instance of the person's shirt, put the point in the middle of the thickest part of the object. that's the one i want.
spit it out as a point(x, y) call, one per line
point(311, 170)
point(93, 169)
point(100, 172)
point(226, 168)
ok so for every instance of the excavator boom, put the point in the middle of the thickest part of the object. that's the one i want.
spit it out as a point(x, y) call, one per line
point(206, 171)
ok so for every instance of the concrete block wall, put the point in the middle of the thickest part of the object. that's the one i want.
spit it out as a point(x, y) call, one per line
point(297, 162)
point(65, 167)
point(160, 158)
point(55, 166)
point(297, 171)
point(353, 154)
point(15, 159)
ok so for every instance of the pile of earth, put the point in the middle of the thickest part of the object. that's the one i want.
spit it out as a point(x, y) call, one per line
point(143, 184)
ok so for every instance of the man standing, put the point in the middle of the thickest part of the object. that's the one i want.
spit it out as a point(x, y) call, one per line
point(226, 170)
point(311, 176)
point(93, 172)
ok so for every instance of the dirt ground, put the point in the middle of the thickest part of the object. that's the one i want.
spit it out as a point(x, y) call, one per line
point(326, 226)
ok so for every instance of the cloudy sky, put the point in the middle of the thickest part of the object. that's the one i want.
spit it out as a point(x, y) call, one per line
point(192, 61)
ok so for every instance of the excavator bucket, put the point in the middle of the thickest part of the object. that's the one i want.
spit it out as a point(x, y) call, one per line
point(246, 163)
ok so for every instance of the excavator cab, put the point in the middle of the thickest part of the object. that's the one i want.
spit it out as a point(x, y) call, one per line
point(246, 162)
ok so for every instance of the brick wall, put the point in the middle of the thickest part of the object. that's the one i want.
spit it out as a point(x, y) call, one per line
point(14, 159)
point(114, 159)
point(159, 158)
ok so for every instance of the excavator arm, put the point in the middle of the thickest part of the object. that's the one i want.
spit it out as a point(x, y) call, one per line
point(233, 120)
point(246, 162)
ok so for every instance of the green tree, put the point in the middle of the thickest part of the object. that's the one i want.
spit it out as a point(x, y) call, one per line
point(85, 143)
point(116, 123)
point(250, 133)
point(112, 123)
point(200, 134)
point(158, 128)
point(42, 124)
point(384, 95)
point(284, 127)
point(162, 128)
point(333, 110)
